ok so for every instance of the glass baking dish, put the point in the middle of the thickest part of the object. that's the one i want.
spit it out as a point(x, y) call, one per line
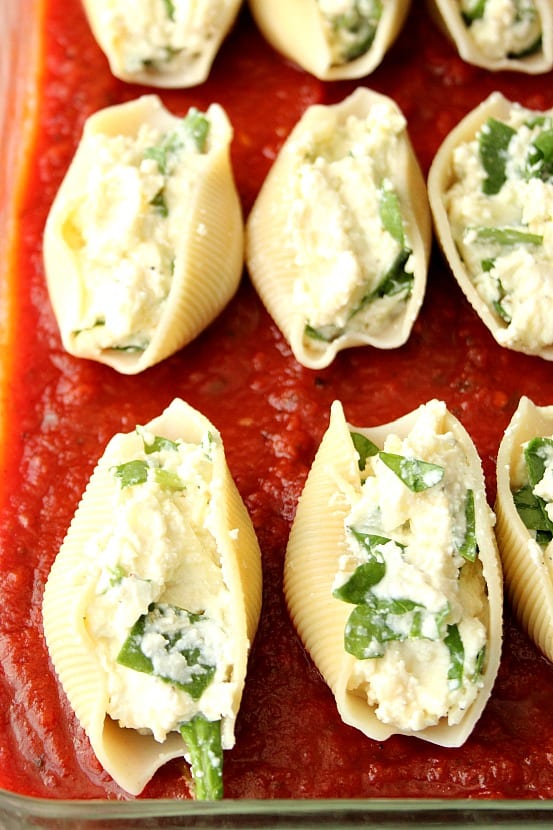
point(18, 66)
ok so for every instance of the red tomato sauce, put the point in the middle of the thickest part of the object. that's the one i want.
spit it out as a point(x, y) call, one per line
point(272, 413)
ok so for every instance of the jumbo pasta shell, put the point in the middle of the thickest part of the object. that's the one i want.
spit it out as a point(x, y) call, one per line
point(487, 51)
point(530, 334)
point(292, 237)
point(527, 565)
point(318, 543)
point(129, 755)
point(195, 245)
point(296, 29)
point(173, 45)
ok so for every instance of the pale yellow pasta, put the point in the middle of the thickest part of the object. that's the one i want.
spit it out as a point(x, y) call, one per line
point(331, 40)
point(372, 692)
point(161, 43)
point(504, 35)
point(143, 245)
point(180, 539)
point(527, 563)
point(490, 197)
point(338, 240)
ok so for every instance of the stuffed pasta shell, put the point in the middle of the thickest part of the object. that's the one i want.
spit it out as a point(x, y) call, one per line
point(337, 242)
point(331, 39)
point(152, 602)
point(491, 194)
point(392, 576)
point(515, 35)
point(161, 43)
point(144, 242)
point(524, 509)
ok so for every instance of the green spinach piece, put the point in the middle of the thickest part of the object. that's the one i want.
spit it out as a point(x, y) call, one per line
point(456, 649)
point(417, 475)
point(204, 744)
point(365, 448)
point(170, 623)
point(493, 141)
point(469, 547)
point(508, 236)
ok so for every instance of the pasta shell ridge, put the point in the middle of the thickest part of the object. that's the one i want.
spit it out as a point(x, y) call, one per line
point(447, 15)
point(296, 30)
point(129, 757)
point(317, 540)
point(271, 256)
point(528, 572)
point(208, 258)
point(440, 178)
point(176, 74)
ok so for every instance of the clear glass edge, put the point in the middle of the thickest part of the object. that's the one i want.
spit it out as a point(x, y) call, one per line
point(19, 812)
point(70, 815)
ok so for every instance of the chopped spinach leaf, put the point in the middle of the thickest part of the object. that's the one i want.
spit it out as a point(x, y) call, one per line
point(498, 306)
point(456, 649)
point(508, 236)
point(169, 9)
point(479, 664)
point(196, 125)
point(357, 27)
point(169, 626)
point(367, 632)
point(376, 622)
point(531, 510)
point(417, 475)
point(365, 448)
point(397, 280)
point(159, 203)
point(131, 472)
point(473, 11)
point(327, 334)
point(356, 589)
point(130, 348)
point(469, 547)
point(193, 131)
point(537, 453)
point(539, 163)
point(390, 214)
point(204, 744)
point(168, 480)
point(117, 575)
point(494, 139)
point(159, 444)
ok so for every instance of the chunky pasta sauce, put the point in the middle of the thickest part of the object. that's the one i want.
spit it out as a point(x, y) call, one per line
point(271, 413)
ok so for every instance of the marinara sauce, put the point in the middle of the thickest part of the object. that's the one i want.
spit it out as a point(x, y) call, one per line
point(272, 413)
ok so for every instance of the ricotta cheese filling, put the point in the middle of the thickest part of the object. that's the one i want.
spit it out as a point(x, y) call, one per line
point(164, 35)
point(124, 229)
point(159, 610)
point(503, 28)
point(417, 630)
point(350, 26)
point(346, 227)
point(532, 488)
point(500, 209)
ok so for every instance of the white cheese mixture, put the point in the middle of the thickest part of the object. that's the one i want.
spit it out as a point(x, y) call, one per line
point(350, 26)
point(342, 248)
point(124, 230)
point(160, 548)
point(514, 280)
point(408, 685)
point(167, 35)
point(506, 28)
